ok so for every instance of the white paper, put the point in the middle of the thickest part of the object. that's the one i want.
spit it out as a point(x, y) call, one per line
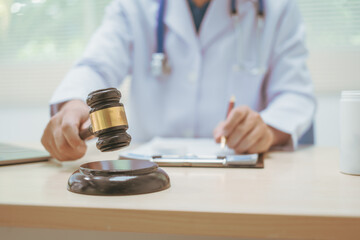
point(181, 146)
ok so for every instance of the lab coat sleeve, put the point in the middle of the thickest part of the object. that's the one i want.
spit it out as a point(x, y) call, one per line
point(106, 60)
point(289, 93)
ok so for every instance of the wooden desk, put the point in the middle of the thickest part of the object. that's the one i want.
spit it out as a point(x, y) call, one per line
point(299, 195)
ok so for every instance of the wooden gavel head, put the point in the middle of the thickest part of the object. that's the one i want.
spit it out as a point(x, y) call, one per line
point(108, 119)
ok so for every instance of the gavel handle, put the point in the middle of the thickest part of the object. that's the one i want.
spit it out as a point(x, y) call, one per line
point(85, 133)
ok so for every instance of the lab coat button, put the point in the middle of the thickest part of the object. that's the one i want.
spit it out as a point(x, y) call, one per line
point(188, 133)
point(236, 68)
point(193, 77)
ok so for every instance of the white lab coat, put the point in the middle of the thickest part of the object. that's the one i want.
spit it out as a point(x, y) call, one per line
point(193, 99)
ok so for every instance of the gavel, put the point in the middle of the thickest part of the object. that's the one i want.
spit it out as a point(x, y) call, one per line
point(108, 120)
point(109, 124)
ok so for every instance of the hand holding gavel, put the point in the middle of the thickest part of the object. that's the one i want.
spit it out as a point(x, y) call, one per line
point(63, 136)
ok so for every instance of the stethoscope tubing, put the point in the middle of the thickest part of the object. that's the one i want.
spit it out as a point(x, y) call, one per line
point(233, 12)
point(160, 27)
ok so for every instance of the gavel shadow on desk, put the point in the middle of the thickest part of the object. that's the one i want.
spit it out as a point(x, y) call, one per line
point(113, 177)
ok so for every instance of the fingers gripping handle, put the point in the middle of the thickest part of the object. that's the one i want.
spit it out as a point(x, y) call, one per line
point(85, 133)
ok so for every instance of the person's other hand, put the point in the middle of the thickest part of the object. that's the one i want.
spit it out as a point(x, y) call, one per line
point(61, 135)
point(246, 132)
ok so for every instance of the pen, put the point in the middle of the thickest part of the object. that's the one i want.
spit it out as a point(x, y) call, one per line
point(230, 107)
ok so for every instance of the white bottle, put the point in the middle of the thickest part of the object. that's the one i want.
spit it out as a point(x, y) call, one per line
point(350, 132)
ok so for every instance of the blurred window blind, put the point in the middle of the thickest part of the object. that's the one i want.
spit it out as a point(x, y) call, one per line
point(333, 40)
point(39, 42)
point(41, 39)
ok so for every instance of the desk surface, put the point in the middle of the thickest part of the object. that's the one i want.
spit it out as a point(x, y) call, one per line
point(299, 195)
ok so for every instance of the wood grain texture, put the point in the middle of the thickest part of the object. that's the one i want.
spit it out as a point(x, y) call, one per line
point(187, 223)
point(298, 195)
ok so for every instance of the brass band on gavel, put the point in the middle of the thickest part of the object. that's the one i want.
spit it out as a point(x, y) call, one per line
point(108, 117)
point(108, 120)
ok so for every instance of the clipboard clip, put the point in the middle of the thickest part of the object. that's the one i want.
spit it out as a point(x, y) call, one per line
point(190, 160)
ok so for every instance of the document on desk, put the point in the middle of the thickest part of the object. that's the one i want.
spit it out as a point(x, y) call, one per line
point(191, 152)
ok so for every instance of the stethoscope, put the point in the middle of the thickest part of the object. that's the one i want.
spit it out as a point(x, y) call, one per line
point(159, 63)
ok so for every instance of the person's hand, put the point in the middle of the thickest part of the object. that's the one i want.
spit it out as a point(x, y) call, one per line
point(246, 132)
point(61, 135)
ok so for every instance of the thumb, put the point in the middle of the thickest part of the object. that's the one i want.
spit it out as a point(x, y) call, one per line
point(85, 125)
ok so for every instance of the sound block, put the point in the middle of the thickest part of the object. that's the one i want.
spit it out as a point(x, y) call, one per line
point(118, 177)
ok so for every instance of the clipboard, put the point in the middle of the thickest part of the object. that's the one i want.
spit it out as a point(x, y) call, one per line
point(190, 152)
point(11, 154)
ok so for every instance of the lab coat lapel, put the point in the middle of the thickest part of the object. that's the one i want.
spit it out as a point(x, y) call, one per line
point(178, 18)
point(216, 21)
